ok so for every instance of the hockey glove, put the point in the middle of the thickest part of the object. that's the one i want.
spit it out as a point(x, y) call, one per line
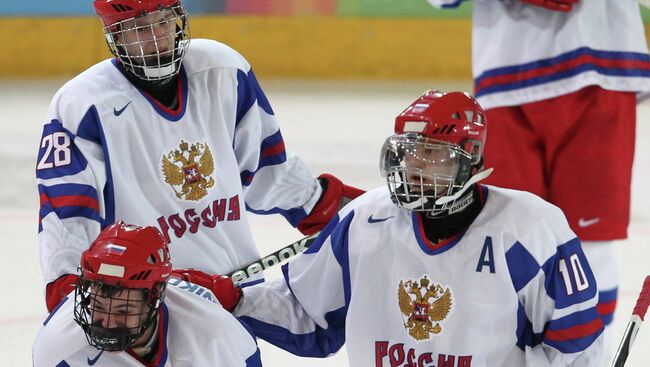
point(58, 289)
point(335, 196)
point(221, 285)
point(555, 5)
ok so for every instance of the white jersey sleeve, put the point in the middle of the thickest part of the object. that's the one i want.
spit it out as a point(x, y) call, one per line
point(314, 295)
point(556, 290)
point(274, 180)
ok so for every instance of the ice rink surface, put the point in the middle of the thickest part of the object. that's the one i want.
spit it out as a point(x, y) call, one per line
point(336, 127)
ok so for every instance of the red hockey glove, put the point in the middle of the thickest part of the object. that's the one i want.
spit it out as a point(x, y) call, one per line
point(335, 196)
point(555, 5)
point(222, 286)
point(56, 290)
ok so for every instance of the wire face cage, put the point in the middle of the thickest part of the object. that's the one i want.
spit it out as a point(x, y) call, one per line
point(152, 45)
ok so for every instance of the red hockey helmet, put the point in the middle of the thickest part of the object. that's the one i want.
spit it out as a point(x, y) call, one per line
point(454, 117)
point(113, 11)
point(436, 149)
point(126, 267)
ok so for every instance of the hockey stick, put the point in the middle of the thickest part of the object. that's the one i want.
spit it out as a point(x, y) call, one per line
point(240, 275)
point(633, 325)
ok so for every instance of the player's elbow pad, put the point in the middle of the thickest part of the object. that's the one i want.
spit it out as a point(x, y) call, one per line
point(335, 196)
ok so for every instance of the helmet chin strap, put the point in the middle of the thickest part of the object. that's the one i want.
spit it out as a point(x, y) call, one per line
point(474, 179)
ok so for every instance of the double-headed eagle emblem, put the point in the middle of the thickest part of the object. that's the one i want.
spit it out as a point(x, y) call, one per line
point(423, 304)
point(189, 179)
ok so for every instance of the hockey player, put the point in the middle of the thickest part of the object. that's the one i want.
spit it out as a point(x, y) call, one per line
point(127, 310)
point(436, 269)
point(173, 134)
point(558, 80)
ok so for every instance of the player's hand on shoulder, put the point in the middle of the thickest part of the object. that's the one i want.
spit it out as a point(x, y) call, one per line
point(555, 5)
point(222, 286)
point(335, 195)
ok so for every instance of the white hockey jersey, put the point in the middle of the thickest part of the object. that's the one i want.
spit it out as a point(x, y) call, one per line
point(193, 329)
point(523, 53)
point(110, 152)
point(514, 289)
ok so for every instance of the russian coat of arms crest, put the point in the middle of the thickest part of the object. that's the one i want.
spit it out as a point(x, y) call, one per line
point(188, 169)
point(423, 304)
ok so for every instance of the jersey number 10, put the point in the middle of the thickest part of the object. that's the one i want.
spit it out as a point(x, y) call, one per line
point(60, 141)
point(577, 273)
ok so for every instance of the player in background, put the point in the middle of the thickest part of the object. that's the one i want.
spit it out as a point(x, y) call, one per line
point(435, 268)
point(127, 303)
point(173, 134)
point(559, 81)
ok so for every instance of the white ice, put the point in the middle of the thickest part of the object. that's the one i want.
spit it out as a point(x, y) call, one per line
point(336, 127)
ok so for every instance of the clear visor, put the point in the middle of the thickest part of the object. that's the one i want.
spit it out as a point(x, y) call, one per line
point(420, 170)
point(151, 45)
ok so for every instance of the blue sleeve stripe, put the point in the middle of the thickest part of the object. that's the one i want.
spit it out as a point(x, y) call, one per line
point(581, 60)
point(526, 337)
point(262, 101)
point(62, 364)
point(522, 266)
point(455, 4)
point(245, 96)
point(249, 92)
point(339, 241)
point(255, 359)
point(90, 128)
point(319, 343)
point(68, 190)
point(54, 310)
point(563, 260)
point(574, 333)
point(272, 152)
point(294, 216)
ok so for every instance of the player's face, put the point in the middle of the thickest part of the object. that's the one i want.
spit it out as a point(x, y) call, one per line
point(124, 310)
point(430, 167)
point(149, 37)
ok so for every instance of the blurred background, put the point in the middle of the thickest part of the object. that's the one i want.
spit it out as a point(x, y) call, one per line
point(337, 72)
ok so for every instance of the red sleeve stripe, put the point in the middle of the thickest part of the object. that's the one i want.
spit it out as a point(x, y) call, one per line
point(70, 200)
point(575, 332)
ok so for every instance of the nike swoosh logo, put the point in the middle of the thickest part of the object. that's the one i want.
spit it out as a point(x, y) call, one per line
point(373, 220)
point(119, 112)
point(91, 362)
point(582, 222)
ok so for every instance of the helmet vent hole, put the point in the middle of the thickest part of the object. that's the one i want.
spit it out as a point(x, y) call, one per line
point(120, 8)
point(455, 115)
point(151, 259)
point(143, 275)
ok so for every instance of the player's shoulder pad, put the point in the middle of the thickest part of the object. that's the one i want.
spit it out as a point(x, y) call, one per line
point(532, 221)
point(204, 54)
point(73, 100)
point(370, 201)
point(59, 337)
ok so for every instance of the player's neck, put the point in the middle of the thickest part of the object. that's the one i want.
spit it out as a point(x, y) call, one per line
point(165, 93)
point(147, 345)
point(446, 226)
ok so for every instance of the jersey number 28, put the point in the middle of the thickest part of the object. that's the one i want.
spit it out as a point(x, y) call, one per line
point(60, 143)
